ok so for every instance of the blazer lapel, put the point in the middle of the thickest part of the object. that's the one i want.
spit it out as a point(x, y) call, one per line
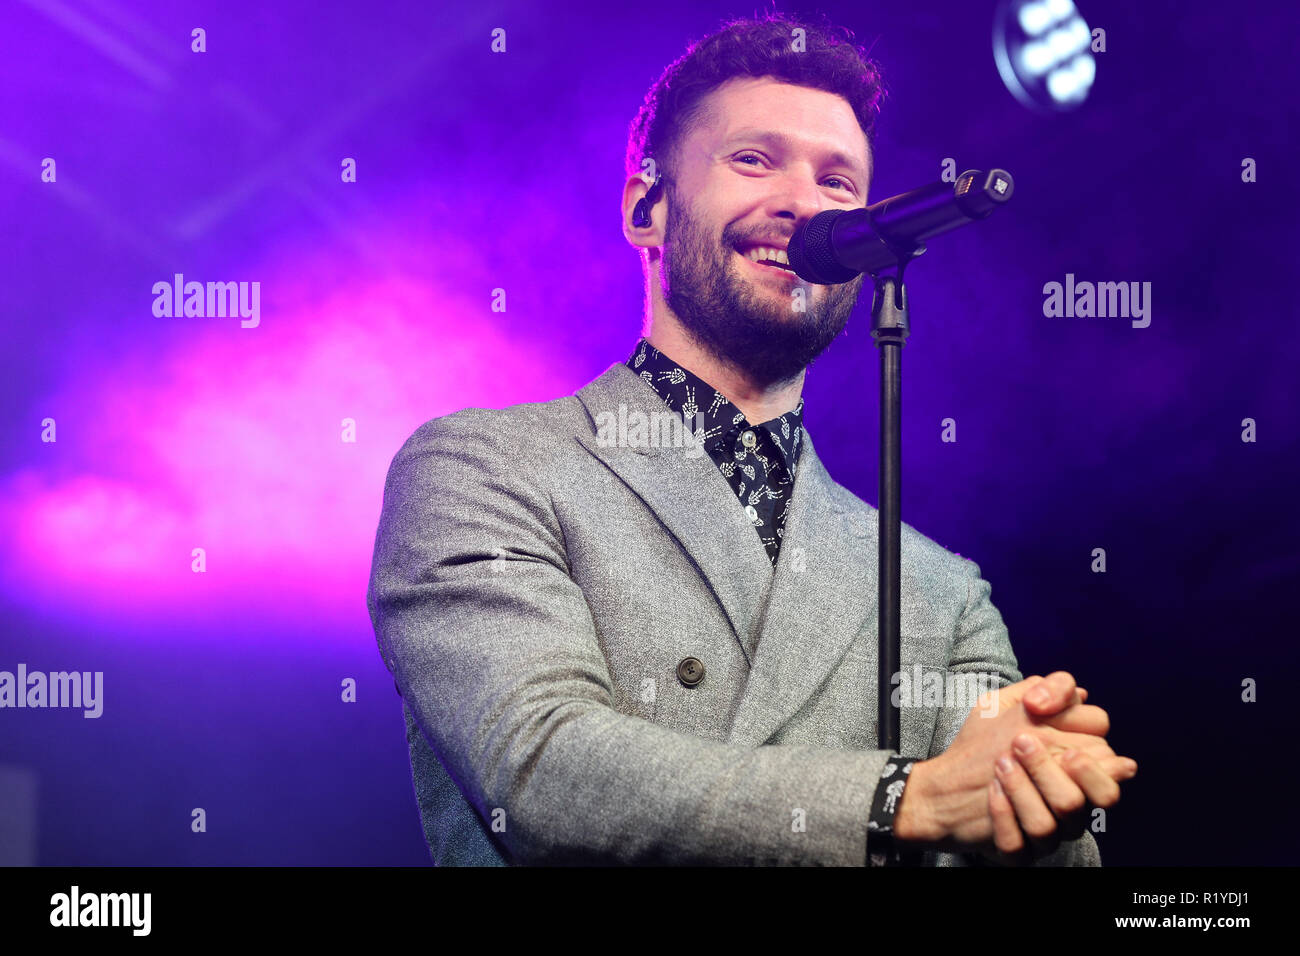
point(687, 492)
point(823, 593)
point(795, 625)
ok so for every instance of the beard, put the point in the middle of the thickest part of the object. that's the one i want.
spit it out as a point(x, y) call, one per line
point(752, 329)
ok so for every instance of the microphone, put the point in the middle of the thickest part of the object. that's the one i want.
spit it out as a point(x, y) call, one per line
point(836, 245)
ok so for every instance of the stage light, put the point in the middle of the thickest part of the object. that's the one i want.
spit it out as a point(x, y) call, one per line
point(1043, 52)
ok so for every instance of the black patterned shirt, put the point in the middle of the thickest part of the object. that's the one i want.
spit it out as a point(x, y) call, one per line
point(759, 461)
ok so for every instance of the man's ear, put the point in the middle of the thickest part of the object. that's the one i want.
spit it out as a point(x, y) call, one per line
point(652, 235)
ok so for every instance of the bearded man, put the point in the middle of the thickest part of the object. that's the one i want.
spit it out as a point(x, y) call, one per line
point(614, 648)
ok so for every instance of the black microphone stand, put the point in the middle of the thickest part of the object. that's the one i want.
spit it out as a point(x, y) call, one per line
point(889, 329)
point(875, 244)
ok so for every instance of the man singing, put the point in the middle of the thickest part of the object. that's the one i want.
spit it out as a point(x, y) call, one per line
point(623, 643)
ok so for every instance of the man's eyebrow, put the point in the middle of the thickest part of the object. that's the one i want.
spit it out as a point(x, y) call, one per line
point(782, 140)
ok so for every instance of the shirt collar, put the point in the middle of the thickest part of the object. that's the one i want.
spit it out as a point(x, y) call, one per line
point(684, 391)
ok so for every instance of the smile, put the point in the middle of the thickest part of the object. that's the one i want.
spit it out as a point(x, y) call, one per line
point(769, 268)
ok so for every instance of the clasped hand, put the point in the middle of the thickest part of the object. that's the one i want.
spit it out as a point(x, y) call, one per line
point(1013, 786)
point(1055, 771)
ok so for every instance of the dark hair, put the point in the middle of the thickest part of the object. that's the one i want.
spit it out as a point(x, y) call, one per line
point(757, 47)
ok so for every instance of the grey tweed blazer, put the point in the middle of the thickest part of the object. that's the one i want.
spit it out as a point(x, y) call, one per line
point(534, 589)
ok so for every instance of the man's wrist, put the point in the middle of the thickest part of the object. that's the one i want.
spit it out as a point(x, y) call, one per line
point(914, 822)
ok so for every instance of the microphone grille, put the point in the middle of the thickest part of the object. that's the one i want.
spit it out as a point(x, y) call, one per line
point(810, 251)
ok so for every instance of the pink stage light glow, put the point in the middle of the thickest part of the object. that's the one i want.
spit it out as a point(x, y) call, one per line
point(230, 440)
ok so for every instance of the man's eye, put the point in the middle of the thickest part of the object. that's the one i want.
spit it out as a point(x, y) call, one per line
point(758, 160)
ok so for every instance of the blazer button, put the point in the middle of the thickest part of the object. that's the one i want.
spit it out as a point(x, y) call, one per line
point(690, 671)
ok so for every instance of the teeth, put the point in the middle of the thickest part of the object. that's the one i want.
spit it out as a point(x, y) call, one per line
point(759, 253)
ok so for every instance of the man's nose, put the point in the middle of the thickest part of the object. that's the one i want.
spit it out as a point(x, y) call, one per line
point(798, 198)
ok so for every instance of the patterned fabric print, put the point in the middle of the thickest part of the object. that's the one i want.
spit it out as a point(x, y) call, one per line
point(760, 462)
point(884, 806)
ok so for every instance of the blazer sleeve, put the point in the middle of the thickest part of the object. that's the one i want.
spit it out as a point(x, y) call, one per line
point(494, 649)
point(983, 646)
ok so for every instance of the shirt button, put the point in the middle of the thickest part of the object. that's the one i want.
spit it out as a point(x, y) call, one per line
point(749, 440)
point(752, 512)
